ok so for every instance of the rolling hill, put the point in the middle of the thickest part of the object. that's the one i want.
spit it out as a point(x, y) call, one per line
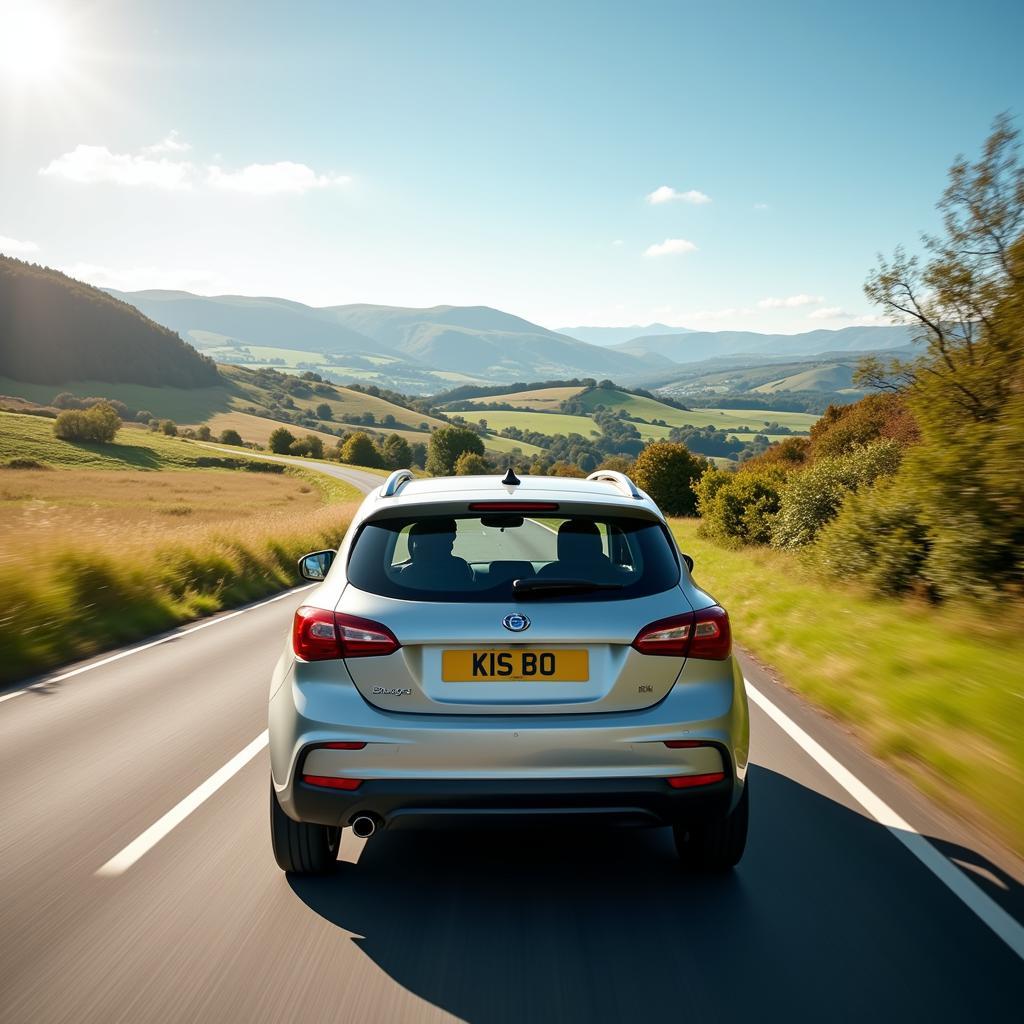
point(53, 328)
point(618, 335)
point(700, 345)
point(420, 350)
point(827, 377)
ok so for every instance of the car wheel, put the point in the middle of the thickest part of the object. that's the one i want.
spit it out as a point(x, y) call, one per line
point(302, 848)
point(717, 846)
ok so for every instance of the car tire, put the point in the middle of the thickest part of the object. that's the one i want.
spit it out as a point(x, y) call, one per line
point(717, 846)
point(301, 848)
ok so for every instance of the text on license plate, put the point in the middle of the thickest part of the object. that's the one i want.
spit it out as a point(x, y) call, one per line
point(516, 665)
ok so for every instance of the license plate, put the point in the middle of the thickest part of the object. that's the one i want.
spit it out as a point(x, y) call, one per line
point(515, 666)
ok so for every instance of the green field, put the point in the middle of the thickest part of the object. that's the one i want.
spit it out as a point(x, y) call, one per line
point(934, 691)
point(31, 437)
point(545, 422)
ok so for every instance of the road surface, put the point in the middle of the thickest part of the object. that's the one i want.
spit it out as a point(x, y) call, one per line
point(830, 916)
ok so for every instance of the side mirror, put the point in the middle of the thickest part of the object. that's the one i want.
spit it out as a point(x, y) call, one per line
point(689, 562)
point(315, 566)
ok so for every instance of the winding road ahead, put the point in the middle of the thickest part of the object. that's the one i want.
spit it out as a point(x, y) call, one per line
point(137, 881)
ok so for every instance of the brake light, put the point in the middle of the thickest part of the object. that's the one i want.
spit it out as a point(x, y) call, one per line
point(329, 782)
point(684, 744)
point(704, 634)
point(690, 781)
point(321, 635)
point(345, 745)
point(513, 506)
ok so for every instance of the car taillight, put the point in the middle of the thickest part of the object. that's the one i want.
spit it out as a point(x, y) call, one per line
point(330, 782)
point(320, 635)
point(692, 781)
point(704, 634)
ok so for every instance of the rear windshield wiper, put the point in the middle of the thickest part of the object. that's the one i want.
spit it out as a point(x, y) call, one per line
point(539, 587)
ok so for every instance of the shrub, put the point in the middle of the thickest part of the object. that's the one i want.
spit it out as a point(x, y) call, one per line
point(879, 537)
point(447, 444)
point(471, 464)
point(323, 411)
point(844, 427)
point(739, 508)
point(143, 416)
point(562, 468)
point(26, 464)
point(281, 440)
point(231, 437)
point(359, 450)
point(203, 433)
point(812, 498)
point(100, 423)
point(169, 427)
point(666, 470)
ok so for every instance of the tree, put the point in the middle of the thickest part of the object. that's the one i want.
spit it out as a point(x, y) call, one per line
point(169, 427)
point(324, 411)
point(231, 437)
point(447, 444)
point(419, 455)
point(315, 445)
point(666, 470)
point(99, 423)
point(203, 432)
point(471, 464)
point(281, 440)
point(359, 450)
point(395, 452)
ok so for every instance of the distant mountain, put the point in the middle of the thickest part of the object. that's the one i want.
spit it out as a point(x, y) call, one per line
point(55, 329)
point(470, 341)
point(617, 335)
point(700, 345)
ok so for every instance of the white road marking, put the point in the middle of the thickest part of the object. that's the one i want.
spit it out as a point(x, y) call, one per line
point(137, 848)
point(152, 643)
point(993, 915)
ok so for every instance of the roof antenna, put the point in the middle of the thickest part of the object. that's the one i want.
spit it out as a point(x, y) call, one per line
point(510, 479)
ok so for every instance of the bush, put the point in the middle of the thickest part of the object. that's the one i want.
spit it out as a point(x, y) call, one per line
point(143, 416)
point(471, 464)
point(281, 440)
point(231, 437)
point(666, 470)
point(203, 433)
point(100, 423)
point(26, 464)
point(739, 508)
point(169, 427)
point(812, 498)
point(359, 450)
point(323, 411)
point(844, 427)
point(447, 444)
point(878, 537)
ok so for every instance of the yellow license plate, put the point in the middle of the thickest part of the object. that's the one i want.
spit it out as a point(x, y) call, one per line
point(515, 665)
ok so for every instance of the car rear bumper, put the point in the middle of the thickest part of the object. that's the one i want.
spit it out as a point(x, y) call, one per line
point(403, 803)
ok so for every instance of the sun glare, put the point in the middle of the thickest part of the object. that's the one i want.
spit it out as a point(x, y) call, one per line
point(32, 42)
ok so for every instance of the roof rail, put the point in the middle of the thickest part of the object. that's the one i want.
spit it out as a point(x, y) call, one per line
point(394, 482)
point(620, 480)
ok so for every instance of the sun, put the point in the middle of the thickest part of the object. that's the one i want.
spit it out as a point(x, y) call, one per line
point(33, 42)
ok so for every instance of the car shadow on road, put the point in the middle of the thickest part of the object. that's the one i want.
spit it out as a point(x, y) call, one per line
point(827, 918)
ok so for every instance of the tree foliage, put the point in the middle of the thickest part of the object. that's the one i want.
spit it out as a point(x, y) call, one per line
point(666, 470)
point(98, 423)
point(447, 444)
point(280, 441)
point(359, 450)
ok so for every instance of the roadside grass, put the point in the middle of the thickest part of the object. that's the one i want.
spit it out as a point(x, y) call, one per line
point(937, 692)
point(113, 543)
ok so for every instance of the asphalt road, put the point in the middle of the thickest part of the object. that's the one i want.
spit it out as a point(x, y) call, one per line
point(830, 916)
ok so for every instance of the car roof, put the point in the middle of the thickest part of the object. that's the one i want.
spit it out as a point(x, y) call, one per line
point(570, 490)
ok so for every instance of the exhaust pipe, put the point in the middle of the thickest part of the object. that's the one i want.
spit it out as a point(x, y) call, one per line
point(364, 825)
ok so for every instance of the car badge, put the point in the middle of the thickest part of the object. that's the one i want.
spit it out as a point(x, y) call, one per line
point(516, 622)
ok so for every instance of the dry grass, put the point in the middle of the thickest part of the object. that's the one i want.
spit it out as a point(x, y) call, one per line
point(541, 399)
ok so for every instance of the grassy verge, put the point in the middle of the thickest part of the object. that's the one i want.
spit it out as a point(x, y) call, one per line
point(935, 691)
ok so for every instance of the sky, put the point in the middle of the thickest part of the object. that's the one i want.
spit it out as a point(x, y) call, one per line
point(720, 166)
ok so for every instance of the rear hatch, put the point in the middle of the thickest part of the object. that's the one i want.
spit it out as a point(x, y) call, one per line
point(511, 615)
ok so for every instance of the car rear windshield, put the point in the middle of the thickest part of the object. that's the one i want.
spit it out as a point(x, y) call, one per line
point(494, 557)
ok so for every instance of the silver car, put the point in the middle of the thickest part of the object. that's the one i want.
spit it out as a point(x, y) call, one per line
point(503, 651)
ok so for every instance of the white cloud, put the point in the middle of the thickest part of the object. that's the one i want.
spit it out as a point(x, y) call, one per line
point(667, 194)
point(761, 206)
point(15, 246)
point(93, 164)
point(170, 143)
point(830, 313)
point(792, 302)
point(618, 241)
point(273, 179)
point(152, 166)
point(670, 247)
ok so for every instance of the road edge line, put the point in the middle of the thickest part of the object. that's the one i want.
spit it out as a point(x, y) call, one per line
point(1004, 925)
